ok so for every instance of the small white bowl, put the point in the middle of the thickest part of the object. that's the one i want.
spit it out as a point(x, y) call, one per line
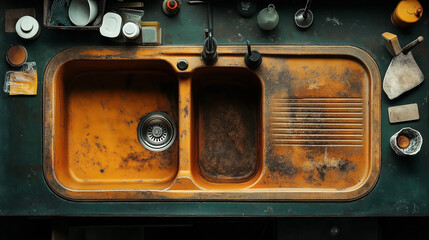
point(111, 26)
point(82, 12)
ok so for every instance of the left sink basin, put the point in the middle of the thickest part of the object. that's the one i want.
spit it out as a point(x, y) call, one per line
point(98, 105)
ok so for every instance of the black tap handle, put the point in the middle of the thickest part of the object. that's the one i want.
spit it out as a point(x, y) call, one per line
point(253, 58)
point(412, 45)
point(249, 49)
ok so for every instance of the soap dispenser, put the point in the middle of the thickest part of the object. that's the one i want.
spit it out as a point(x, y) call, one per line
point(268, 18)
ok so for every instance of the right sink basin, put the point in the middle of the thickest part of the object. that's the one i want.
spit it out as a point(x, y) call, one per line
point(227, 114)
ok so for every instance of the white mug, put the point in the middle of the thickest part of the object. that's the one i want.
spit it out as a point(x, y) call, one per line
point(82, 12)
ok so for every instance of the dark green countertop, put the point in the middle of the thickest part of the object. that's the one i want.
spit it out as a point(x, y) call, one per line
point(403, 187)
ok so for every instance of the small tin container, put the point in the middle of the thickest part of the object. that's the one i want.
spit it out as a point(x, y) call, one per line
point(406, 13)
point(17, 55)
point(131, 30)
point(406, 142)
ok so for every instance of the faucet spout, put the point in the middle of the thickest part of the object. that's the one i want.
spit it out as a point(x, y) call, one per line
point(209, 53)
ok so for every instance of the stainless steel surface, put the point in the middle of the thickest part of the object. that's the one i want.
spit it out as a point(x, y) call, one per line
point(156, 131)
point(195, 2)
point(182, 64)
point(304, 17)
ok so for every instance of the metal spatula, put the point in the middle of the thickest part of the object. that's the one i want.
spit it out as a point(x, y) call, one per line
point(403, 73)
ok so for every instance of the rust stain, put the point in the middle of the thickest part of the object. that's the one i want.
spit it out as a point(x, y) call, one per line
point(104, 52)
point(136, 159)
point(283, 166)
point(183, 134)
point(147, 161)
point(186, 109)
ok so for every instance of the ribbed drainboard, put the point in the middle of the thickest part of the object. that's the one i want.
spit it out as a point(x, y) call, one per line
point(317, 122)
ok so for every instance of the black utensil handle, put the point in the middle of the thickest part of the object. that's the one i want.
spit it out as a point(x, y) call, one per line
point(412, 45)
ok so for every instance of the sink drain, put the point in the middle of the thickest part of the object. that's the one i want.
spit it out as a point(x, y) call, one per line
point(156, 131)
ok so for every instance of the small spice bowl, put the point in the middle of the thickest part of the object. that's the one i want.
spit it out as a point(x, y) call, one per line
point(16, 55)
point(406, 142)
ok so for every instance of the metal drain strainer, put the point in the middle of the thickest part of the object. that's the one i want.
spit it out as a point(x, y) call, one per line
point(156, 131)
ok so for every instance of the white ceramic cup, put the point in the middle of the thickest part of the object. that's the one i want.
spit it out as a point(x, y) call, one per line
point(82, 12)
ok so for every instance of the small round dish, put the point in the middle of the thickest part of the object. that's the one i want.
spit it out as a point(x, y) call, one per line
point(111, 26)
point(27, 27)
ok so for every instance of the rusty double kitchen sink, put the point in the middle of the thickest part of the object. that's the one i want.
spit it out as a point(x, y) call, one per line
point(304, 126)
